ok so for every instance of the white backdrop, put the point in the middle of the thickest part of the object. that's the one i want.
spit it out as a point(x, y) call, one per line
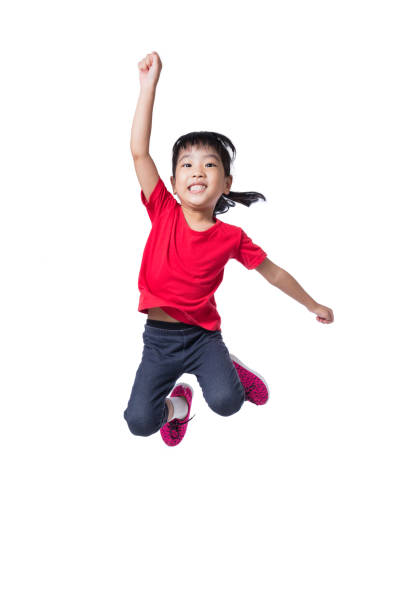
point(296, 505)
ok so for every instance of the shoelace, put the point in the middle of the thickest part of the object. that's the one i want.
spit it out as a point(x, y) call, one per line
point(174, 426)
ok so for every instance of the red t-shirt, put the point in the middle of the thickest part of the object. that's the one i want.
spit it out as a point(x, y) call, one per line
point(182, 268)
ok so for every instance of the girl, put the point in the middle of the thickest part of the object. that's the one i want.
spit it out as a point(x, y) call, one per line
point(182, 266)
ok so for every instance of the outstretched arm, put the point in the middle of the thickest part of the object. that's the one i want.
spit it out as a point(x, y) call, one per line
point(285, 282)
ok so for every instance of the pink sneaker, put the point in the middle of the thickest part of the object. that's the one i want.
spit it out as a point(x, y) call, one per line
point(173, 431)
point(256, 389)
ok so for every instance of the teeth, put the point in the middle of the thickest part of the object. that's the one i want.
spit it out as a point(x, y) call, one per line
point(197, 188)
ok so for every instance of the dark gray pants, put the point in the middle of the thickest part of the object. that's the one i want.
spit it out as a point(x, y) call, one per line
point(170, 350)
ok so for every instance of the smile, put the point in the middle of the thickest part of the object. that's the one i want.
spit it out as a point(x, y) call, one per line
point(197, 188)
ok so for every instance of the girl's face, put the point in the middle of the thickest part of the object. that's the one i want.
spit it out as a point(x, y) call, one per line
point(202, 165)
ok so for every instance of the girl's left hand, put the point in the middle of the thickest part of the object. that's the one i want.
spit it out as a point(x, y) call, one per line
point(324, 314)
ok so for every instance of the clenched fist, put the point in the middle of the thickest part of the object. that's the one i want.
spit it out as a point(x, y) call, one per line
point(149, 70)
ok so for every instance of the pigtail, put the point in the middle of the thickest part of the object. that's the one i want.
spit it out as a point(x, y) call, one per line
point(242, 197)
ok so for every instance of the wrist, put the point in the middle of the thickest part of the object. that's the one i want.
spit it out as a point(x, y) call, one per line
point(148, 88)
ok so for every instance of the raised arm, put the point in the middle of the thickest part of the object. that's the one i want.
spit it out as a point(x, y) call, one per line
point(146, 171)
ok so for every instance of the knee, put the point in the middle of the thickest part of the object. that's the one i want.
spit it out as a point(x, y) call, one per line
point(227, 404)
point(140, 425)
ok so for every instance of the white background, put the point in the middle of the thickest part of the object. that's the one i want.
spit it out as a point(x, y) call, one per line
point(296, 505)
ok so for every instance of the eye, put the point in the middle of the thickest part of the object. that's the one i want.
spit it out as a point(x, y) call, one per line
point(188, 163)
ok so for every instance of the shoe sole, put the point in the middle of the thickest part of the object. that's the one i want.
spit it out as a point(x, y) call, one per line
point(239, 362)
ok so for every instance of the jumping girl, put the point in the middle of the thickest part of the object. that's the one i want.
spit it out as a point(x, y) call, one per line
point(182, 267)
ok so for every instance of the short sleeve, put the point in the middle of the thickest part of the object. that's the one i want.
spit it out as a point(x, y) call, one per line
point(159, 199)
point(248, 253)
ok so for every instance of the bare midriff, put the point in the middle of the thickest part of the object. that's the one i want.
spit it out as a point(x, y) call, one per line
point(159, 315)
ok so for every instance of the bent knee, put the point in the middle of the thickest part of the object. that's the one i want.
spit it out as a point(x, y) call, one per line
point(228, 405)
point(140, 426)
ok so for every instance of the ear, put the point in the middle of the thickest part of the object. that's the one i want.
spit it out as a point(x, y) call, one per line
point(228, 183)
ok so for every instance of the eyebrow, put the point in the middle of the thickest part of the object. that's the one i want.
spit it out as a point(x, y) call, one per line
point(209, 155)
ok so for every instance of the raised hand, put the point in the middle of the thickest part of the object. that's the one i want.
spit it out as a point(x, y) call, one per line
point(149, 70)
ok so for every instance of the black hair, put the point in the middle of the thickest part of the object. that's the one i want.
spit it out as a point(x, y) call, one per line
point(219, 142)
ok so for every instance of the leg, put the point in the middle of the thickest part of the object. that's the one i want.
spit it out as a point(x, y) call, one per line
point(159, 370)
point(170, 409)
point(211, 363)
